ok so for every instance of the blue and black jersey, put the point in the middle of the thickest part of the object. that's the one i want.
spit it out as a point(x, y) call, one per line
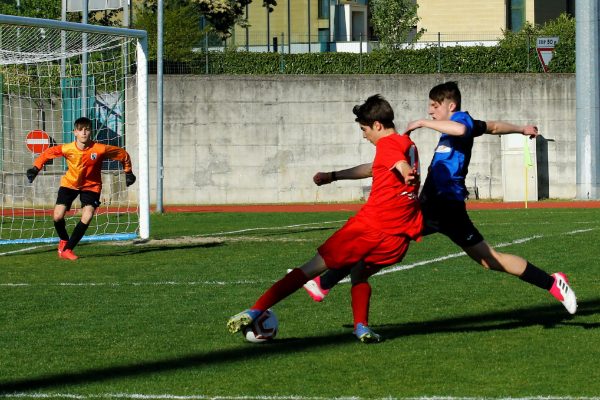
point(450, 164)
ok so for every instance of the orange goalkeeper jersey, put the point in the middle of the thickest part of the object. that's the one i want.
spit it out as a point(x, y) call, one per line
point(84, 166)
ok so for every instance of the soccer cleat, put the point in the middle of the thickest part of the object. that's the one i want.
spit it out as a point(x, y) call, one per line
point(245, 318)
point(365, 334)
point(314, 289)
point(68, 255)
point(563, 292)
point(61, 246)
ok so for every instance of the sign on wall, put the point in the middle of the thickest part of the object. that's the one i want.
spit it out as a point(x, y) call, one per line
point(545, 49)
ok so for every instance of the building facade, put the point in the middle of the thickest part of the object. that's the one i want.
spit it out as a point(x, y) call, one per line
point(300, 26)
point(468, 20)
point(343, 25)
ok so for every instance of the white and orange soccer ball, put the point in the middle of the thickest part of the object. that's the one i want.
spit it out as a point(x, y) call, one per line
point(263, 329)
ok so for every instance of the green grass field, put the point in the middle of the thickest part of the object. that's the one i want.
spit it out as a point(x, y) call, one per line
point(147, 321)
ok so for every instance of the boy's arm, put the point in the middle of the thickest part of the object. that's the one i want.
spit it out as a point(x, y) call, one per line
point(358, 172)
point(119, 154)
point(503, 128)
point(411, 177)
point(448, 127)
point(38, 164)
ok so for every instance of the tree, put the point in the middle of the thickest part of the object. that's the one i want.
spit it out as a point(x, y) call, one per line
point(394, 22)
point(181, 28)
point(223, 15)
point(49, 9)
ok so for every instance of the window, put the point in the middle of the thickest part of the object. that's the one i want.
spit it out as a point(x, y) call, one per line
point(323, 9)
point(515, 14)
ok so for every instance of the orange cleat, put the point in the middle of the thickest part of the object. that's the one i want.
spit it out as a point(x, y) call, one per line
point(61, 246)
point(68, 255)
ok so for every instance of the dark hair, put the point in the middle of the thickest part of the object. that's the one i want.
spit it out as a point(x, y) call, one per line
point(447, 90)
point(82, 122)
point(376, 108)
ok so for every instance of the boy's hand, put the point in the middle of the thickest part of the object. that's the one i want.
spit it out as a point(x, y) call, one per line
point(413, 178)
point(531, 131)
point(129, 178)
point(32, 173)
point(412, 126)
point(322, 178)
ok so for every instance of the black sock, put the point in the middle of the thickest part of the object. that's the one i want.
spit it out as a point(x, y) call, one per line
point(537, 277)
point(61, 229)
point(330, 278)
point(76, 236)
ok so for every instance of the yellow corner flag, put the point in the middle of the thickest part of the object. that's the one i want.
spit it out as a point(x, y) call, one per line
point(526, 155)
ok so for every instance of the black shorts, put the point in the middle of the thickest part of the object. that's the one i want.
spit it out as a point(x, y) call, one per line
point(449, 218)
point(66, 196)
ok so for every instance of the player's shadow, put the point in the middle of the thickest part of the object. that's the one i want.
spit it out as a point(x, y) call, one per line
point(547, 316)
point(133, 250)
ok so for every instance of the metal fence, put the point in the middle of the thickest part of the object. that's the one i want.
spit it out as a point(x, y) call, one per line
point(265, 41)
point(257, 42)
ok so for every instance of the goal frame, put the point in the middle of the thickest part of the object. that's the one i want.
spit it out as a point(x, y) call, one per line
point(141, 37)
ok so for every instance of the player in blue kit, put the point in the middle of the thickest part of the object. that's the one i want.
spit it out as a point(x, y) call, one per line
point(444, 192)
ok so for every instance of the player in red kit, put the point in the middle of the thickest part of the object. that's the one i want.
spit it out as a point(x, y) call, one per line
point(376, 237)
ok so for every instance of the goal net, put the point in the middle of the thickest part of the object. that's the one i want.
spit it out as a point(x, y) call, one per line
point(52, 73)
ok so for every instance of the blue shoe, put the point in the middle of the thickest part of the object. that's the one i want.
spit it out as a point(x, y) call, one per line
point(245, 318)
point(365, 334)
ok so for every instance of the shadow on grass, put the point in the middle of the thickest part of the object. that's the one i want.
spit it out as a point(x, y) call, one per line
point(547, 316)
point(128, 251)
point(117, 251)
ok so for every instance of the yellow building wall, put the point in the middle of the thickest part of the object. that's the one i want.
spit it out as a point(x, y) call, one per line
point(278, 22)
point(462, 17)
point(466, 19)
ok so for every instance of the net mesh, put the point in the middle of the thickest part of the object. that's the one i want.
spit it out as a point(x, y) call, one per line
point(43, 93)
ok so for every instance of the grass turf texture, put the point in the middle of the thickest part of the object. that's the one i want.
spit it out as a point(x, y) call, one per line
point(150, 319)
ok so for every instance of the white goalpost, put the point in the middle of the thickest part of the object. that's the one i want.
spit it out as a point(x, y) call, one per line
point(52, 73)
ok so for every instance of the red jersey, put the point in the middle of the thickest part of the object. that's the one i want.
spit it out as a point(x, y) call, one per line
point(84, 167)
point(393, 206)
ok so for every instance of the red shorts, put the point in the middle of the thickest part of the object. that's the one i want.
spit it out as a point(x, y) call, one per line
point(357, 241)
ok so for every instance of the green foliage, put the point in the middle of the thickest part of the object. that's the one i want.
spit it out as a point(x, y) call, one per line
point(394, 20)
point(181, 33)
point(515, 52)
point(564, 52)
point(524, 42)
point(223, 15)
point(49, 9)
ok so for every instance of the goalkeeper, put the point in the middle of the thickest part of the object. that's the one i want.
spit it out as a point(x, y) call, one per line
point(83, 178)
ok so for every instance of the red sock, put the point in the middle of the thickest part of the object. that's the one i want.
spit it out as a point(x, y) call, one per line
point(287, 285)
point(361, 296)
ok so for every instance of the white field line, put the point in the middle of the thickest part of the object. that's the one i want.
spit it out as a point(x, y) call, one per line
point(386, 271)
point(274, 228)
point(289, 397)
point(23, 250)
point(224, 233)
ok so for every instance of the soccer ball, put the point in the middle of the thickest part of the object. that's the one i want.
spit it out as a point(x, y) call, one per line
point(263, 329)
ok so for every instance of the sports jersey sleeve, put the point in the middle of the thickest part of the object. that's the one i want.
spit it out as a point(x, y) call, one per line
point(47, 155)
point(119, 154)
point(479, 127)
point(394, 151)
point(465, 119)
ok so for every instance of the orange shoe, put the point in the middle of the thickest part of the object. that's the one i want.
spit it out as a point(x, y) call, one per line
point(68, 255)
point(61, 246)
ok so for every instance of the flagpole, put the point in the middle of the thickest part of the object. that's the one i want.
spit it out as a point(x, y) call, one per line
point(526, 164)
point(526, 185)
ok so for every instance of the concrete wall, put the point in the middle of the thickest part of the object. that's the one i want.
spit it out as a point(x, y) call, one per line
point(249, 139)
